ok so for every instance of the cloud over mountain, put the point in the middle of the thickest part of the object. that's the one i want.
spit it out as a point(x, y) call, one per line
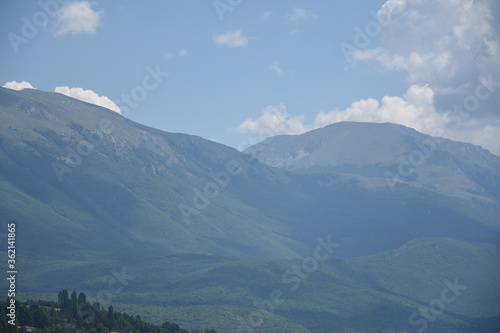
point(88, 96)
point(18, 85)
point(273, 121)
point(416, 109)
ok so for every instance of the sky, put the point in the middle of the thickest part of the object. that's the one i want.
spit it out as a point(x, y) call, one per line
point(238, 71)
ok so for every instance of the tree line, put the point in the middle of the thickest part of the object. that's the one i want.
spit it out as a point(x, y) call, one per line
point(74, 314)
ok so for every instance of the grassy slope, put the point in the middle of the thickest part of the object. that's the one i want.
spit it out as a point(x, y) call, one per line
point(418, 270)
point(134, 180)
point(368, 293)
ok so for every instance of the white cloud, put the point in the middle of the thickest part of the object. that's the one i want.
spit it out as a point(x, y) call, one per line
point(450, 46)
point(178, 54)
point(392, 6)
point(266, 15)
point(421, 67)
point(301, 14)
point(77, 17)
point(273, 121)
point(88, 96)
point(18, 85)
point(415, 109)
point(483, 133)
point(487, 137)
point(231, 39)
point(446, 43)
point(275, 67)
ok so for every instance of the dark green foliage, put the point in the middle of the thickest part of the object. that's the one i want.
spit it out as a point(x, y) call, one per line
point(48, 317)
point(367, 294)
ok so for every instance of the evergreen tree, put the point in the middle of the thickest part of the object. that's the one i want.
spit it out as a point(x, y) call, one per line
point(63, 300)
point(74, 304)
point(40, 317)
point(82, 299)
point(79, 316)
point(25, 315)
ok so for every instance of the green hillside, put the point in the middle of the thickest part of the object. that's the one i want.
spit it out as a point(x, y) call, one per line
point(74, 313)
point(366, 293)
point(177, 228)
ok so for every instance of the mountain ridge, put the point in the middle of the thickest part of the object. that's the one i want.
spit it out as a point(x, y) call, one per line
point(125, 190)
point(394, 153)
point(179, 192)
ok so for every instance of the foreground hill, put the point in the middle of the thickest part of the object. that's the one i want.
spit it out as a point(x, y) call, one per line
point(368, 294)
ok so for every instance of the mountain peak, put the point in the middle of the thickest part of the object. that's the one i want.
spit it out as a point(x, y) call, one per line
point(339, 143)
point(385, 151)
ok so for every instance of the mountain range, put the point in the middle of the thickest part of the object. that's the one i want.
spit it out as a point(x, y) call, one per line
point(210, 231)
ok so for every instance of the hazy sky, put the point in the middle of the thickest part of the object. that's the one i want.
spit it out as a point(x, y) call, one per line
point(237, 71)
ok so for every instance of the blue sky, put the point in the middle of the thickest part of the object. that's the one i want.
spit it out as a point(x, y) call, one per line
point(237, 71)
